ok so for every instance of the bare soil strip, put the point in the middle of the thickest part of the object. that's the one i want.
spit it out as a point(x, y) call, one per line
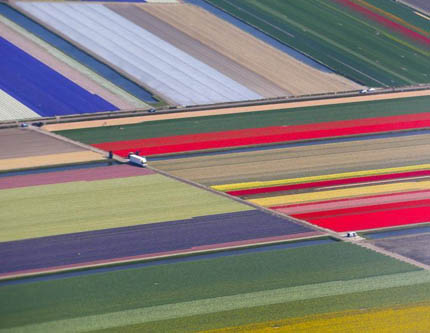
point(48, 160)
point(16, 143)
point(268, 107)
point(26, 148)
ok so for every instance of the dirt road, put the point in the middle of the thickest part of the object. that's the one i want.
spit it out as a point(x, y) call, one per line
point(185, 114)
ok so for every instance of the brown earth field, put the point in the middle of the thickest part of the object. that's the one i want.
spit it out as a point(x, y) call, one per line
point(49, 160)
point(268, 107)
point(412, 246)
point(285, 71)
point(43, 56)
point(24, 148)
point(16, 142)
point(200, 51)
point(301, 161)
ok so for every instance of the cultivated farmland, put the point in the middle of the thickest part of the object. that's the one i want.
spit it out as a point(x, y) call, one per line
point(412, 246)
point(66, 66)
point(205, 52)
point(75, 57)
point(244, 120)
point(172, 73)
point(301, 161)
point(352, 321)
point(321, 219)
point(285, 71)
point(108, 214)
point(84, 206)
point(162, 294)
point(225, 111)
point(23, 148)
point(400, 14)
point(341, 38)
point(335, 179)
point(267, 135)
point(21, 75)
point(343, 186)
point(420, 4)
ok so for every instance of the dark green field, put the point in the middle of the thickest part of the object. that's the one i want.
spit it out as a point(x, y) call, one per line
point(297, 116)
point(128, 290)
point(333, 35)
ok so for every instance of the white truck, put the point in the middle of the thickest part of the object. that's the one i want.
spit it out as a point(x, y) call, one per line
point(137, 160)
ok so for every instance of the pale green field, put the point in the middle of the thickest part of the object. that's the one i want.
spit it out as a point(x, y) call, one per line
point(47, 210)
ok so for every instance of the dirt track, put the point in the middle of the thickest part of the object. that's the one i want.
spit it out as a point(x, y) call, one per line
point(134, 120)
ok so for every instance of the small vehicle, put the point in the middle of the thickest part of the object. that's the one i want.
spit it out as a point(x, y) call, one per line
point(137, 160)
point(365, 91)
point(152, 110)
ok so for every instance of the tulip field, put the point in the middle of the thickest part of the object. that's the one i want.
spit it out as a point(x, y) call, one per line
point(282, 182)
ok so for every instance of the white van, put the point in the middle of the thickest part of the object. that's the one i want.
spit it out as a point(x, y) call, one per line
point(137, 160)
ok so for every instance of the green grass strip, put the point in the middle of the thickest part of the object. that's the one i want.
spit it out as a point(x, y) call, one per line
point(153, 286)
point(229, 303)
point(294, 116)
point(46, 210)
